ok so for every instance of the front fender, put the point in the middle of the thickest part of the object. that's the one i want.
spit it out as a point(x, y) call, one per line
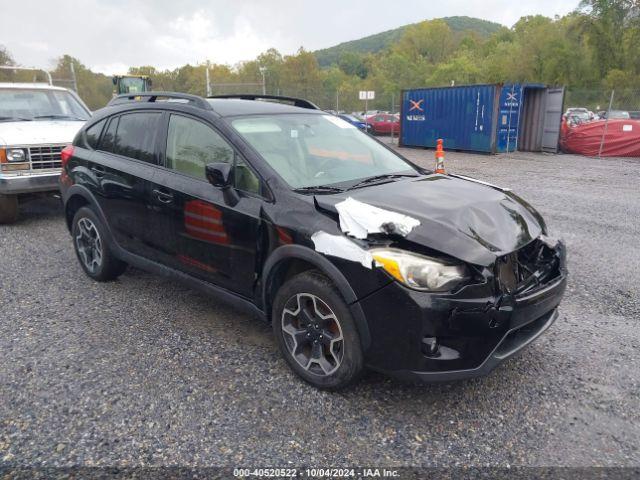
point(299, 252)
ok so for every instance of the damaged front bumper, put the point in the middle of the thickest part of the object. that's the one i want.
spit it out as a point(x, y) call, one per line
point(440, 337)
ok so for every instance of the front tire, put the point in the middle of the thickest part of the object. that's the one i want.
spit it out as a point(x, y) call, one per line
point(8, 208)
point(92, 249)
point(316, 332)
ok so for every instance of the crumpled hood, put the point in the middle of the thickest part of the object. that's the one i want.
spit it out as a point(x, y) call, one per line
point(38, 132)
point(461, 218)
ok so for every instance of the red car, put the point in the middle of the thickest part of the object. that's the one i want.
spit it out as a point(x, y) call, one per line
point(384, 124)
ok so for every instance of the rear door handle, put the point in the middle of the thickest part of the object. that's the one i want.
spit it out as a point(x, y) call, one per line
point(163, 197)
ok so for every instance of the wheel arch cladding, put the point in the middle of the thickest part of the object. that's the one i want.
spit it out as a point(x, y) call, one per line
point(75, 203)
point(289, 260)
point(77, 197)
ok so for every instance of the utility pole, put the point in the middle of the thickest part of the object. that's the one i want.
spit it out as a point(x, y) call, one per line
point(393, 101)
point(337, 101)
point(207, 79)
point(606, 124)
point(73, 76)
point(264, 82)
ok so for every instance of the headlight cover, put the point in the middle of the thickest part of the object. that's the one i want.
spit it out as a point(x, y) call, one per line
point(15, 155)
point(418, 271)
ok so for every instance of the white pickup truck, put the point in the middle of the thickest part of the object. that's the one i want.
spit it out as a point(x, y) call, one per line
point(36, 122)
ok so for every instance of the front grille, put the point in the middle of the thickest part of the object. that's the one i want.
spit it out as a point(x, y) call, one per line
point(45, 157)
point(533, 265)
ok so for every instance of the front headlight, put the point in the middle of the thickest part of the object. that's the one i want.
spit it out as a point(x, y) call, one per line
point(15, 155)
point(420, 272)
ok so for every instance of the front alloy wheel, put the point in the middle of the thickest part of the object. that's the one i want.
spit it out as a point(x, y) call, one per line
point(312, 334)
point(316, 332)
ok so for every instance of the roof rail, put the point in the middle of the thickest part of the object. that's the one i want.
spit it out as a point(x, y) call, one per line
point(11, 67)
point(152, 97)
point(297, 102)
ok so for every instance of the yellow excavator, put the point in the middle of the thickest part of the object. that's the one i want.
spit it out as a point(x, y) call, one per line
point(130, 84)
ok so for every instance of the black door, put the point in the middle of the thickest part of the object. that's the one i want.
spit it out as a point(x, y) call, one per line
point(213, 231)
point(122, 167)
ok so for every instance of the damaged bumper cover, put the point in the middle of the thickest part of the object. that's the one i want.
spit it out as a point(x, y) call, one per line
point(442, 337)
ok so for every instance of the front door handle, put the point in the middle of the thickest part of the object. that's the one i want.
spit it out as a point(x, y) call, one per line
point(163, 197)
point(98, 170)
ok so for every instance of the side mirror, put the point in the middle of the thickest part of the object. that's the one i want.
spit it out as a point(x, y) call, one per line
point(219, 174)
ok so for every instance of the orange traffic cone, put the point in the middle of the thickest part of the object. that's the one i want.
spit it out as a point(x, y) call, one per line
point(439, 157)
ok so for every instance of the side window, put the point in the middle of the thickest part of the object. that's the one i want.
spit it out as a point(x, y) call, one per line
point(108, 139)
point(191, 145)
point(92, 134)
point(244, 178)
point(136, 134)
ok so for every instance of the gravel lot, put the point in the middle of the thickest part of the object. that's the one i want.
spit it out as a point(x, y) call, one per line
point(144, 371)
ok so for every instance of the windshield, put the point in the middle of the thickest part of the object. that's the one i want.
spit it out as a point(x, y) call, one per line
point(131, 85)
point(39, 104)
point(309, 150)
point(619, 114)
point(579, 115)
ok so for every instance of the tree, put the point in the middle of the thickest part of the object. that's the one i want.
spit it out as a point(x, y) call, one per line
point(5, 57)
point(431, 40)
point(301, 74)
point(352, 63)
point(462, 69)
point(94, 88)
point(605, 23)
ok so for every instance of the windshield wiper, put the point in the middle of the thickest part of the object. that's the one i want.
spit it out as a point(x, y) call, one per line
point(55, 115)
point(376, 178)
point(318, 189)
point(14, 119)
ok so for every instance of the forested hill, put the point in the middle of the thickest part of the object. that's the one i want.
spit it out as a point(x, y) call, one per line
point(379, 41)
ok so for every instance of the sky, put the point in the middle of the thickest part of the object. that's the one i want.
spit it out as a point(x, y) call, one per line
point(111, 35)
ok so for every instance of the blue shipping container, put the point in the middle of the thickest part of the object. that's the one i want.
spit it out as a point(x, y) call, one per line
point(478, 118)
point(509, 118)
point(464, 117)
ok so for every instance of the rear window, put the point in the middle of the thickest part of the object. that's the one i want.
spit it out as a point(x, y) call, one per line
point(109, 136)
point(135, 136)
point(92, 135)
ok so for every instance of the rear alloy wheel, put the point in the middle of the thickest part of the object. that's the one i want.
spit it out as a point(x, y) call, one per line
point(89, 245)
point(92, 249)
point(316, 332)
point(8, 208)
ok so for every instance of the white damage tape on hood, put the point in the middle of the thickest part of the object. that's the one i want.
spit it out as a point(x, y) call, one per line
point(359, 219)
point(340, 246)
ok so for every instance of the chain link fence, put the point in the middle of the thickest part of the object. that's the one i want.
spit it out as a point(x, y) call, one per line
point(330, 99)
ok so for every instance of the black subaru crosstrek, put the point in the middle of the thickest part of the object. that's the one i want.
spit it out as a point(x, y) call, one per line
point(358, 257)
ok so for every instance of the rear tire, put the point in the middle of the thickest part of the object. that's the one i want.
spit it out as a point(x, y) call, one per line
point(8, 208)
point(316, 332)
point(93, 252)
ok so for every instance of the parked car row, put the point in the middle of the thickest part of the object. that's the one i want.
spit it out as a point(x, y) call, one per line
point(376, 124)
point(578, 115)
